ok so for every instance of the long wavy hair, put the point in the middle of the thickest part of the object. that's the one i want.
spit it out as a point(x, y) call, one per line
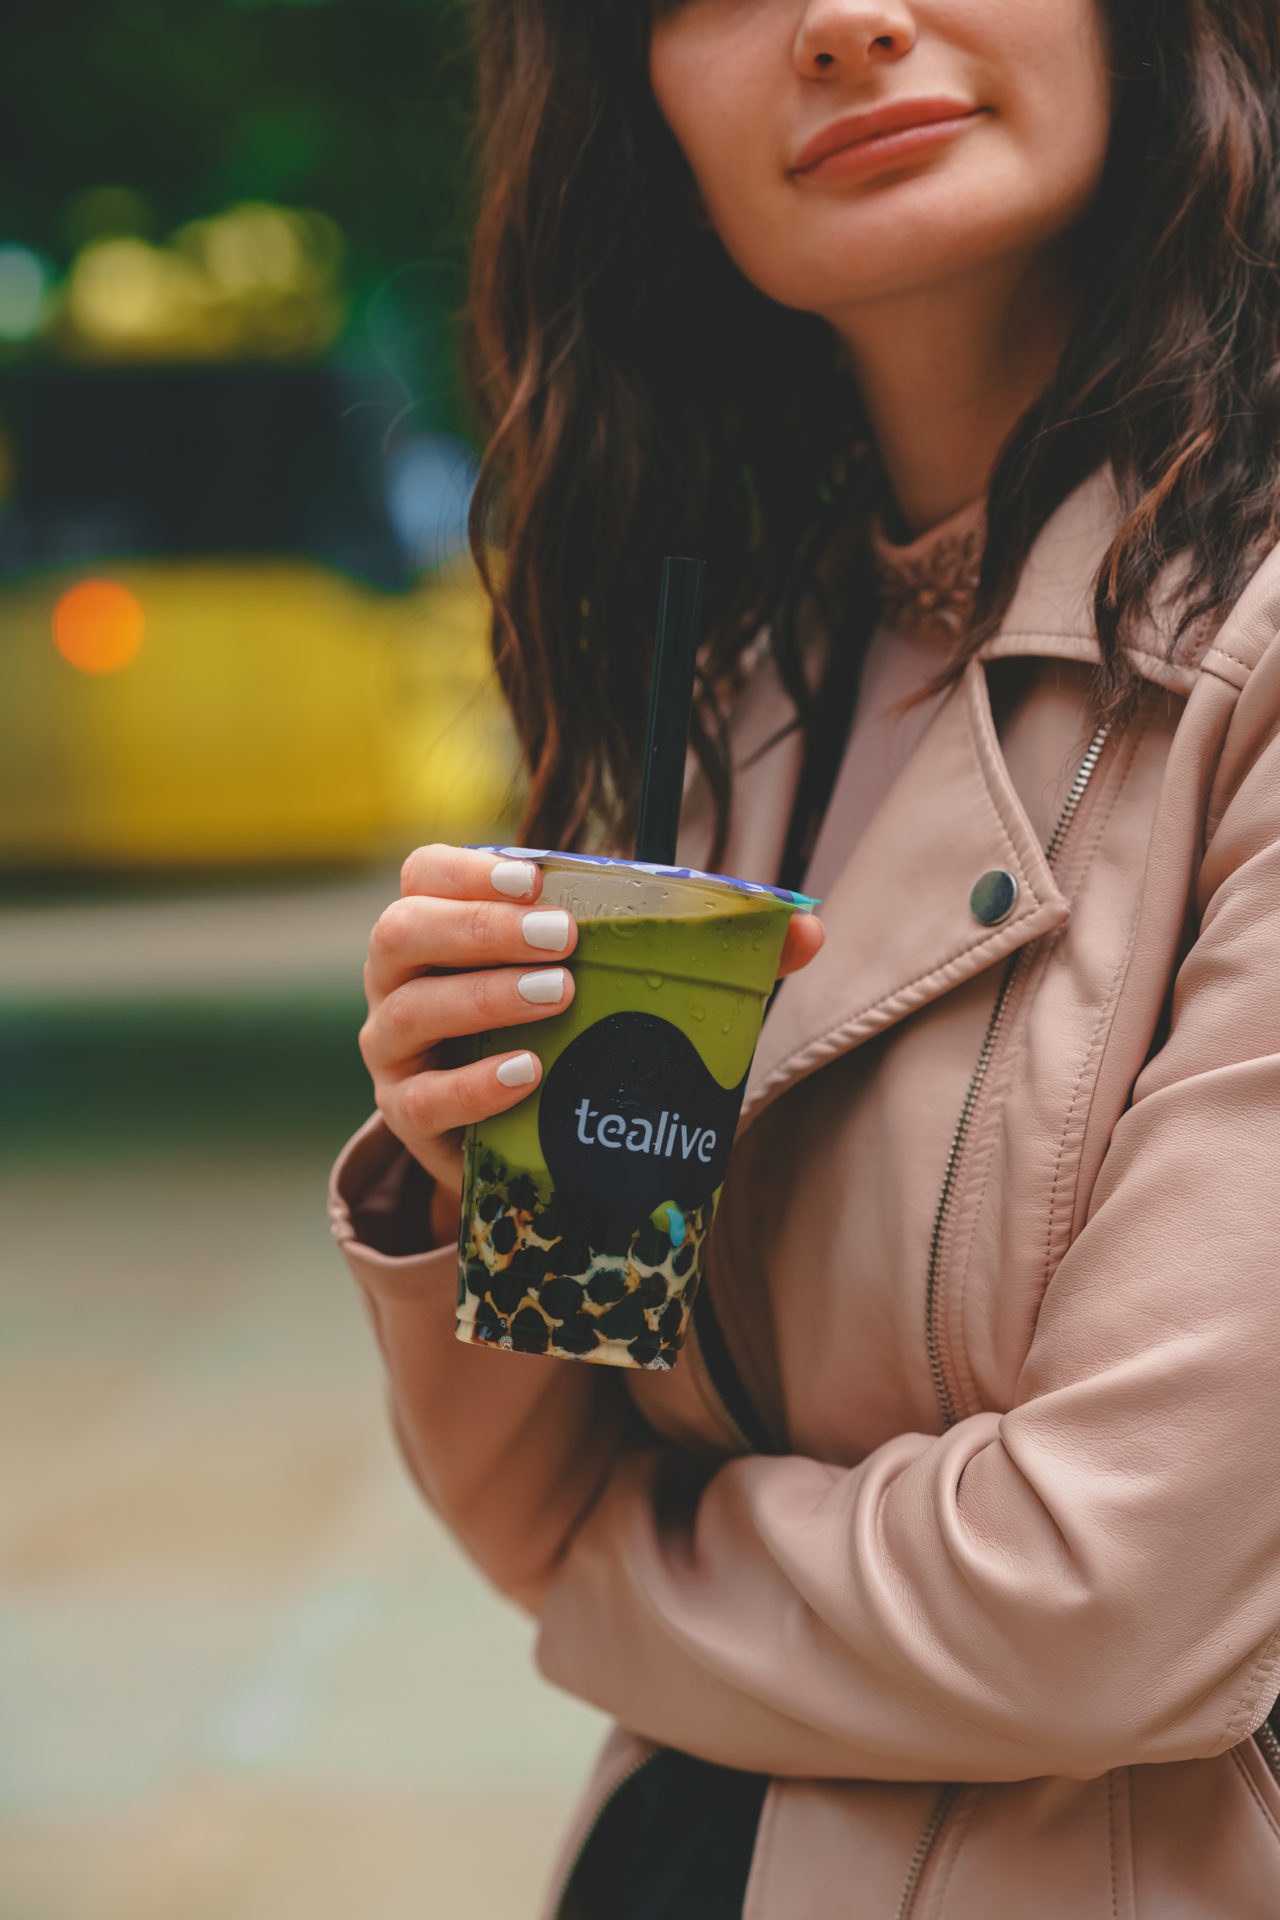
point(640, 397)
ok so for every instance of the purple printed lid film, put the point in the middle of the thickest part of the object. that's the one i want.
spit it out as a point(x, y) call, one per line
point(802, 901)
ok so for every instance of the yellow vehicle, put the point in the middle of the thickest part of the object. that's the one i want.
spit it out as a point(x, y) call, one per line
point(214, 649)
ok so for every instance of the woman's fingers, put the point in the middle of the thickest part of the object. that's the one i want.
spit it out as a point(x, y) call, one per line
point(460, 873)
point(414, 1017)
point(803, 943)
point(421, 931)
point(421, 1110)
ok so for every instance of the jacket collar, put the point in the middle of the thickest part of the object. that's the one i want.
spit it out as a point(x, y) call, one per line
point(900, 927)
point(1052, 611)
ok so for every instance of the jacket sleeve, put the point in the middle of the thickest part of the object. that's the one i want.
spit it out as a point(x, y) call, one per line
point(508, 1449)
point(1089, 1579)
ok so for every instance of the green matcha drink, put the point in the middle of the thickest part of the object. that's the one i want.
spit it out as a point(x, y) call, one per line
point(586, 1208)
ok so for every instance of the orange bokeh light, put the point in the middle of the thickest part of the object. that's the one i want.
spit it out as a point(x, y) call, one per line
point(98, 626)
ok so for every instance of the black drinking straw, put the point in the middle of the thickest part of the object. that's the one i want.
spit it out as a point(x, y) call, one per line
point(670, 705)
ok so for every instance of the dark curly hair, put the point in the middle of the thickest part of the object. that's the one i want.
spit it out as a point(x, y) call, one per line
point(641, 397)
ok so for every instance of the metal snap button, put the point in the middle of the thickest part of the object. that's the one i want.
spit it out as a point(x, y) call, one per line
point(994, 897)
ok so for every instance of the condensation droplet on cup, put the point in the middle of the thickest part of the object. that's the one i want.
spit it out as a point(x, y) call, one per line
point(653, 980)
point(699, 1013)
point(727, 1027)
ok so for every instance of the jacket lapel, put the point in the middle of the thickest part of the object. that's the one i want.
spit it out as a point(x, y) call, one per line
point(900, 927)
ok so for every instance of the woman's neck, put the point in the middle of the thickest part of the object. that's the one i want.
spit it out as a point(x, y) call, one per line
point(947, 372)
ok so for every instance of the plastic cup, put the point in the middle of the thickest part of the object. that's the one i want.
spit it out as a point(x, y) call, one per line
point(586, 1208)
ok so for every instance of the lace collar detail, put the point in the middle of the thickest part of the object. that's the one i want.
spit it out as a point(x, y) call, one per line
point(928, 587)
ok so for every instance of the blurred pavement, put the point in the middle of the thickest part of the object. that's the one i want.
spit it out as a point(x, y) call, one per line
point(244, 1675)
point(200, 945)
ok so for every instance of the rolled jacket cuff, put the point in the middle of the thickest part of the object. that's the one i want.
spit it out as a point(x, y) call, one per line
point(380, 1213)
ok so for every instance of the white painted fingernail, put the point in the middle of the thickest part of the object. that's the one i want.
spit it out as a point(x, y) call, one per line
point(521, 1071)
point(542, 989)
point(548, 929)
point(516, 878)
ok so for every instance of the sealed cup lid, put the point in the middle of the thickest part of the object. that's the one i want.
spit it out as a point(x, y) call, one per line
point(801, 901)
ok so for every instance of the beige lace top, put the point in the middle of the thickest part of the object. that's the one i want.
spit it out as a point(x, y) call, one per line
point(929, 586)
point(927, 593)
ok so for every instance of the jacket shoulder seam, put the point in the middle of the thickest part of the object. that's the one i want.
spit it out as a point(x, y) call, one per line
point(1261, 1681)
point(1238, 660)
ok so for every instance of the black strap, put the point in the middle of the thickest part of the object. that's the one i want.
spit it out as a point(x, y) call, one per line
point(828, 736)
point(724, 1375)
point(675, 1843)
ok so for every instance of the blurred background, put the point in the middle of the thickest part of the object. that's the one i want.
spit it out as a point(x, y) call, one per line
point(243, 1675)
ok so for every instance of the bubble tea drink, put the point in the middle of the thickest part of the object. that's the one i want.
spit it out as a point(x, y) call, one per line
point(585, 1209)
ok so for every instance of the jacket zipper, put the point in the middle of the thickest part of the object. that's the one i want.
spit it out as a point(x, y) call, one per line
point(924, 1849)
point(946, 1401)
point(556, 1904)
point(1269, 1743)
point(1071, 806)
point(942, 1385)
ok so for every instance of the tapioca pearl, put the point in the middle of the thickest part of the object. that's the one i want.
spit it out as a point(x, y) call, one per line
point(577, 1336)
point(522, 1193)
point(671, 1320)
point(685, 1258)
point(606, 1285)
point(610, 1239)
point(651, 1245)
point(533, 1264)
point(652, 1289)
point(529, 1331)
point(553, 1219)
point(561, 1297)
point(489, 1324)
point(490, 1171)
point(504, 1234)
point(644, 1349)
point(477, 1278)
point(625, 1320)
point(507, 1290)
point(573, 1255)
point(490, 1207)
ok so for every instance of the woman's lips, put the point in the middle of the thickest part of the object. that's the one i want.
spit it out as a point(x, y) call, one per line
point(870, 142)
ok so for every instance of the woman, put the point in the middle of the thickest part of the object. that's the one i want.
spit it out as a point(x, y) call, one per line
point(942, 1576)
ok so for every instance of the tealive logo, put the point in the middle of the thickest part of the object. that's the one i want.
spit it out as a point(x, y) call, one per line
point(669, 1138)
point(616, 1125)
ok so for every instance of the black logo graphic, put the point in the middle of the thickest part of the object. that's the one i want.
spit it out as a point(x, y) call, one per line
point(631, 1117)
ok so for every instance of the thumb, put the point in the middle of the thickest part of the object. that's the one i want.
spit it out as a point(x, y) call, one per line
point(805, 937)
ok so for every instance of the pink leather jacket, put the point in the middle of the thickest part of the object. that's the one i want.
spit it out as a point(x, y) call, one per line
point(992, 1590)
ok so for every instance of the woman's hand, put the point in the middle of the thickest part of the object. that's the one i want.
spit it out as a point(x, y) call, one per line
point(465, 950)
point(803, 943)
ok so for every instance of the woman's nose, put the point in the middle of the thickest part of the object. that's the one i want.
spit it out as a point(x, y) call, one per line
point(852, 35)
